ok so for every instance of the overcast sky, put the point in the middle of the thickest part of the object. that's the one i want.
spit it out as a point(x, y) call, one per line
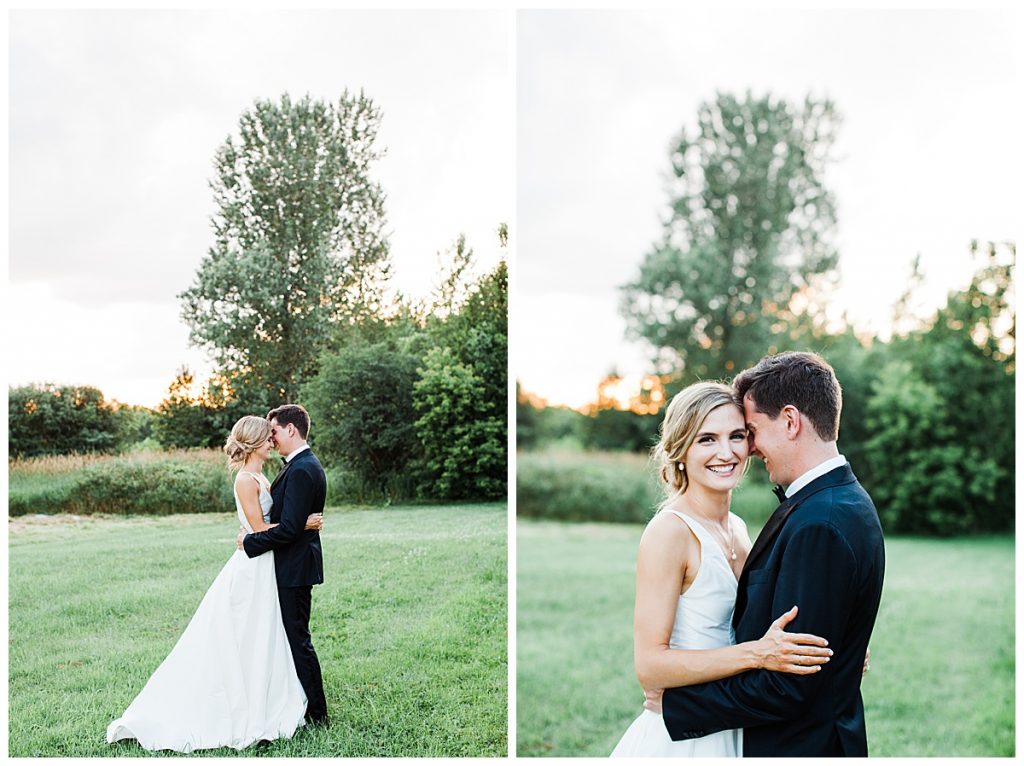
point(114, 120)
point(929, 155)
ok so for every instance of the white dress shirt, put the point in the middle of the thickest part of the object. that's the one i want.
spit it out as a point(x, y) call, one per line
point(819, 470)
point(294, 452)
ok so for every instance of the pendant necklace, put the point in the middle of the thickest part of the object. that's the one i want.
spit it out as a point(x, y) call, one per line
point(730, 541)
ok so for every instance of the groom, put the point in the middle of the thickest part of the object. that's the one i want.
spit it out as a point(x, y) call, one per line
point(821, 551)
point(299, 490)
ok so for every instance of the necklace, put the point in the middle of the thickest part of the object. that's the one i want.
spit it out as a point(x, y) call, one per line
point(729, 542)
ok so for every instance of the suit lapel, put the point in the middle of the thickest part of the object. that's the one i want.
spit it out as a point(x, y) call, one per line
point(771, 529)
point(280, 475)
point(768, 533)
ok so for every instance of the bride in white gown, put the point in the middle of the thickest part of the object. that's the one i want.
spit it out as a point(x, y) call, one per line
point(230, 680)
point(690, 558)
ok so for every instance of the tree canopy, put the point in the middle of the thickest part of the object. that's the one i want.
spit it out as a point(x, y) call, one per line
point(746, 248)
point(299, 243)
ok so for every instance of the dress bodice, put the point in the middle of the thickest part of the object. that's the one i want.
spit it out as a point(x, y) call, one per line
point(703, 617)
point(266, 501)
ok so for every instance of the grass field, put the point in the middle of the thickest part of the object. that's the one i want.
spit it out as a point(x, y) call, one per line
point(410, 627)
point(942, 653)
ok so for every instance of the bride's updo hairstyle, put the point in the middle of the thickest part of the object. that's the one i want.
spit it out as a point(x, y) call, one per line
point(683, 418)
point(247, 436)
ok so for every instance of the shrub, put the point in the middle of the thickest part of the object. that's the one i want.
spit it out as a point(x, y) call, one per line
point(928, 478)
point(47, 419)
point(165, 487)
point(181, 482)
point(361, 407)
point(464, 445)
point(612, 429)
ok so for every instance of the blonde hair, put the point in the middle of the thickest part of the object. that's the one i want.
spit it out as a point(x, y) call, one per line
point(247, 435)
point(683, 418)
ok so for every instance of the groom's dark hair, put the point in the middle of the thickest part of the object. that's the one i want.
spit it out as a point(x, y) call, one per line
point(294, 414)
point(799, 378)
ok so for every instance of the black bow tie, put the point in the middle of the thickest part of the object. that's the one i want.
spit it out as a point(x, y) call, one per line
point(779, 493)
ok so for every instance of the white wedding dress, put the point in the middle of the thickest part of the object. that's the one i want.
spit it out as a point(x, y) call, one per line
point(703, 620)
point(230, 680)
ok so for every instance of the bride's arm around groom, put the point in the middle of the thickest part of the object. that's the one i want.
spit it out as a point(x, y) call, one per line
point(297, 498)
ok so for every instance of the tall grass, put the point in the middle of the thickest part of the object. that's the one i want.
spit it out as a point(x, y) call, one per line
point(410, 627)
point(49, 465)
point(942, 653)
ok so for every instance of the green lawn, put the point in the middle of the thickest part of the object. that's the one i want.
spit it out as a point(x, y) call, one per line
point(942, 653)
point(410, 627)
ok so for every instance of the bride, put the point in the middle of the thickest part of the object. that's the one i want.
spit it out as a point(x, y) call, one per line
point(690, 558)
point(230, 680)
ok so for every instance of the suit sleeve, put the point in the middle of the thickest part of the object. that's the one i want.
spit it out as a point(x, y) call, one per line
point(817, 574)
point(297, 495)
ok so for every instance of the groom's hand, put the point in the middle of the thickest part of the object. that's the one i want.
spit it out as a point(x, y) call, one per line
point(239, 539)
point(652, 700)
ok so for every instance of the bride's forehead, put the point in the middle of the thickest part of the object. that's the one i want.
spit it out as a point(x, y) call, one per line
point(725, 418)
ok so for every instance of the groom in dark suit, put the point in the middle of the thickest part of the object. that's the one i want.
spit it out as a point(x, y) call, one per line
point(298, 491)
point(821, 551)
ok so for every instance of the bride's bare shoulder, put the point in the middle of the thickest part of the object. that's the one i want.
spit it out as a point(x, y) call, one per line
point(666, 534)
point(247, 485)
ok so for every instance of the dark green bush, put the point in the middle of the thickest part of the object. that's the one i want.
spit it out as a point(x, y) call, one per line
point(48, 419)
point(612, 429)
point(464, 440)
point(361, 407)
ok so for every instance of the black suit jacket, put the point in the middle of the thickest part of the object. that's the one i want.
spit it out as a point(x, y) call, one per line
point(822, 551)
point(299, 490)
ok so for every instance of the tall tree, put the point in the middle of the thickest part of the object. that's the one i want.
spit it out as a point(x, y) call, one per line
point(747, 244)
point(299, 241)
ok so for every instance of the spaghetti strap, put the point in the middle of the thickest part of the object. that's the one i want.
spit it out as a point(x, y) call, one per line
point(705, 538)
point(256, 478)
point(695, 526)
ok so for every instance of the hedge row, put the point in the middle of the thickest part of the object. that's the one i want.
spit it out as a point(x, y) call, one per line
point(137, 484)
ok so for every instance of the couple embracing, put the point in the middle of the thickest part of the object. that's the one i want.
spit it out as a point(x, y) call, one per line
point(716, 647)
point(245, 669)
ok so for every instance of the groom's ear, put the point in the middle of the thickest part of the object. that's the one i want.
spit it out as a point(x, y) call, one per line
point(791, 417)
